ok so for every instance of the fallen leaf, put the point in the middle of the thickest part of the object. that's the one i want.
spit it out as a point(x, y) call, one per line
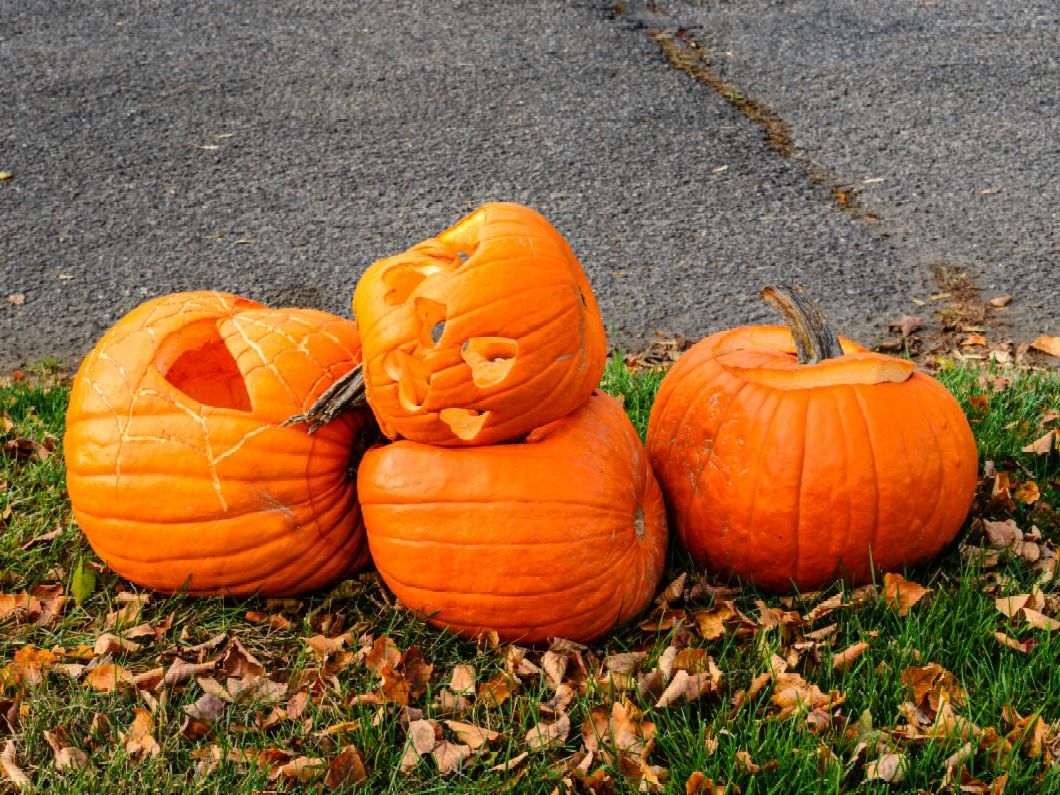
point(9, 767)
point(462, 681)
point(1002, 535)
point(699, 784)
point(889, 767)
point(986, 192)
point(1000, 301)
point(1027, 493)
point(1050, 345)
point(108, 677)
point(973, 340)
point(138, 740)
point(711, 623)
point(16, 299)
point(449, 756)
point(5, 175)
point(384, 653)
point(510, 764)
point(744, 763)
point(471, 735)
point(1022, 646)
point(201, 716)
point(844, 659)
point(83, 582)
point(180, 671)
point(549, 734)
point(346, 769)
point(302, 769)
point(901, 594)
point(1043, 445)
point(1040, 620)
point(689, 687)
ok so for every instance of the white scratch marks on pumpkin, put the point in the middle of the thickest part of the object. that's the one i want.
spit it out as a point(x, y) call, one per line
point(237, 321)
point(243, 440)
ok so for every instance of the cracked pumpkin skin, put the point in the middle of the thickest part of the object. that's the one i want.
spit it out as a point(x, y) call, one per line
point(791, 475)
point(480, 334)
point(562, 535)
point(179, 469)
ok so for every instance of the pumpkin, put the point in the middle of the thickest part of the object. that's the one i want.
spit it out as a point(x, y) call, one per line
point(792, 457)
point(180, 469)
point(480, 334)
point(560, 535)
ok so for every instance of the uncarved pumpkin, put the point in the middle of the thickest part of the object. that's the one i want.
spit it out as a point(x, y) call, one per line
point(180, 470)
point(480, 334)
point(793, 474)
point(563, 534)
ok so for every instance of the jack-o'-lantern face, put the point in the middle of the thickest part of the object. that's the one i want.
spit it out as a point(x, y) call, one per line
point(480, 334)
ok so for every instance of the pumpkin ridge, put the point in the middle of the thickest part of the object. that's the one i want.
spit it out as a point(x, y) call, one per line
point(941, 464)
point(804, 437)
point(875, 469)
point(725, 416)
point(763, 448)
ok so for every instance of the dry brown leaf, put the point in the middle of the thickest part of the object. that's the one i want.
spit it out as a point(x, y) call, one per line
point(323, 646)
point(933, 683)
point(9, 767)
point(201, 716)
point(1003, 535)
point(346, 769)
point(1050, 345)
point(302, 769)
point(688, 687)
point(471, 735)
point(109, 643)
point(901, 594)
point(1010, 605)
point(549, 734)
point(711, 623)
point(699, 784)
point(139, 742)
point(462, 680)
point(498, 689)
point(1043, 445)
point(108, 677)
point(240, 663)
point(1000, 301)
point(448, 703)
point(1022, 646)
point(384, 653)
point(1039, 620)
point(846, 658)
point(889, 767)
point(510, 764)
point(449, 756)
point(1027, 492)
point(745, 764)
point(181, 671)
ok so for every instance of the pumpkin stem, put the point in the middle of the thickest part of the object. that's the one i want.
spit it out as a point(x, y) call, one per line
point(346, 393)
point(815, 338)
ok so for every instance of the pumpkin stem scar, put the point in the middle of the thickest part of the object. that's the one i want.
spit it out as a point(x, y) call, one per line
point(815, 338)
point(345, 393)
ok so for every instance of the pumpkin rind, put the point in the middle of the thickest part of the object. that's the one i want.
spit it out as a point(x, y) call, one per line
point(789, 474)
point(480, 334)
point(562, 535)
point(179, 468)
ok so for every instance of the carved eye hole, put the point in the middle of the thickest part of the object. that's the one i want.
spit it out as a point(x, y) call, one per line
point(432, 321)
point(403, 280)
point(196, 361)
point(490, 358)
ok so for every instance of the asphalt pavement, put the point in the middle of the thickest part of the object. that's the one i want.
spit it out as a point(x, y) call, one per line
point(275, 150)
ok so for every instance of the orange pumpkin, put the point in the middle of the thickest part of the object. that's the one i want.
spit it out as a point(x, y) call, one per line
point(180, 469)
point(480, 334)
point(563, 534)
point(791, 471)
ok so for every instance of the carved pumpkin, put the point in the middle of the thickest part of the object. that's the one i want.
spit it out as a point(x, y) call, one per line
point(792, 470)
point(480, 334)
point(563, 534)
point(179, 467)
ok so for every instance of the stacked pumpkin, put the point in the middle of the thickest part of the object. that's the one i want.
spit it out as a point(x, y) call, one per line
point(513, 498)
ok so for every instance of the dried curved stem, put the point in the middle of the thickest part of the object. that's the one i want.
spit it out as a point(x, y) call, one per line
point(344, 394)
point(815, 338)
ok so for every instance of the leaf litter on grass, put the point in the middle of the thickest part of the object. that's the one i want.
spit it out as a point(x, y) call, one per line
point(716, 689)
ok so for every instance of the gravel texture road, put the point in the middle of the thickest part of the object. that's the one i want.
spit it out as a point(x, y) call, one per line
point(275, 150)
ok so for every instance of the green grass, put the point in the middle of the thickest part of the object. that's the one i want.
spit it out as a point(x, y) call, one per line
point(953, 628)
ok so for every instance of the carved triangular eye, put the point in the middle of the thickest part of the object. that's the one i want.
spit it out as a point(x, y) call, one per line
point(196, 361)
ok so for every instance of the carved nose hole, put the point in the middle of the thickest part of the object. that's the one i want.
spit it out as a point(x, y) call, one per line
point(412, 377)
point(432, 321)
point(464, 423)
point(196, 361)
point(490, 358)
